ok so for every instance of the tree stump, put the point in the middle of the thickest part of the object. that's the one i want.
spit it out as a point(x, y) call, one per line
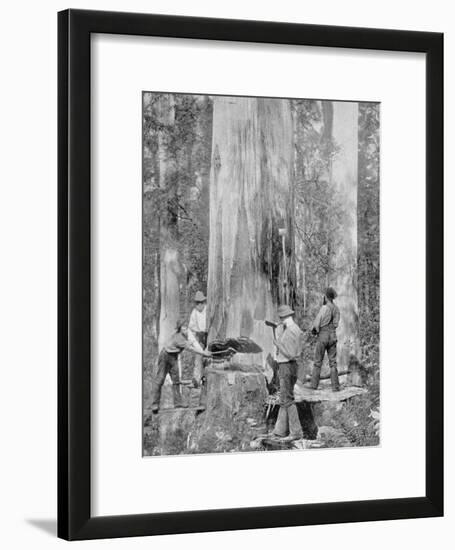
point(234, 414)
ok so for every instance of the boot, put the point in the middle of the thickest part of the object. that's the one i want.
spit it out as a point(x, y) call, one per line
point(156, 396)
point(203, 396)
point(295, 428)
point(334, 379)
point(315, 375)
point(281, 426)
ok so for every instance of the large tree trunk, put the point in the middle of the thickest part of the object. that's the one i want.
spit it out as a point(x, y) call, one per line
point(344, 181)
point(169, 255)
point(251, 199)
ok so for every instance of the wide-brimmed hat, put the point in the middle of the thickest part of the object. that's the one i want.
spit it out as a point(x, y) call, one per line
point(285, 311)
point(331, 293)
point(199, 297)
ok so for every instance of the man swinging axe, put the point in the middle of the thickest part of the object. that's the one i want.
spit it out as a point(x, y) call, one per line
point(288, 340)
point(168, 364)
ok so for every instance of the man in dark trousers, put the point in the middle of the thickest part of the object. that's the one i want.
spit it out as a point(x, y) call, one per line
point(168, 363)
point(325, 327)
point(288, 342)
point(198, 327)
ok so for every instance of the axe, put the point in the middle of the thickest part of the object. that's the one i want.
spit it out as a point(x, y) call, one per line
point(273, 325)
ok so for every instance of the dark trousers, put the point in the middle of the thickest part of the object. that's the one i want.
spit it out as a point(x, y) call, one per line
point(167, 363)
point(327, 342)
point(288, 416)
point(202, 338)
point(287, 373)
point(198, 370)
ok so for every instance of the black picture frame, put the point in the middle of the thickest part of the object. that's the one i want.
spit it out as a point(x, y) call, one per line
point(75, 521)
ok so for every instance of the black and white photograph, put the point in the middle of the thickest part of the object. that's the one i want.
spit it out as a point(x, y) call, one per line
point(261, 274)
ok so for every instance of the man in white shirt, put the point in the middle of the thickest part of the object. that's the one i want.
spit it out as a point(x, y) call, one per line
point(198, 328)
point(198, 318)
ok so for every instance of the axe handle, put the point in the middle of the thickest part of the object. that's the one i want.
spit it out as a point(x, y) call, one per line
point(223, 351)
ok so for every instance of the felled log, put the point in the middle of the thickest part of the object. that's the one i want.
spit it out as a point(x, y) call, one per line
point(314, 406)
point(325, 393)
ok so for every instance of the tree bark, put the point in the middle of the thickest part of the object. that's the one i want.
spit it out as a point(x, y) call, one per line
point(169, 254)
point(368, 225)
point(344, 181)
point(251, 199)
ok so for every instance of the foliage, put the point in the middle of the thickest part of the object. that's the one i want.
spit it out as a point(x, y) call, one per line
point(356, 421)
point(368, 236)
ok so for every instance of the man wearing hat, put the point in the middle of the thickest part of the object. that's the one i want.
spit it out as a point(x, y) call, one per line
point(288, 342)
point(198, 319)
point(168, 364)
point(325, 327)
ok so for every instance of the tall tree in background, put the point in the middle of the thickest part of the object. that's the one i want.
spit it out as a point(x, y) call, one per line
point(344, 181)
point(306, 117)
point(177, 145)
point(195, 120)
point(251, 251)
point(325, 217)
point(170, 268)
point(315, 210)
point(151, 227)
point(368, 231)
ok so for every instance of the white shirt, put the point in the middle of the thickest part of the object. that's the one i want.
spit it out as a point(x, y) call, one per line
point(193, 341)
point(198, 322)
point(290, 338)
